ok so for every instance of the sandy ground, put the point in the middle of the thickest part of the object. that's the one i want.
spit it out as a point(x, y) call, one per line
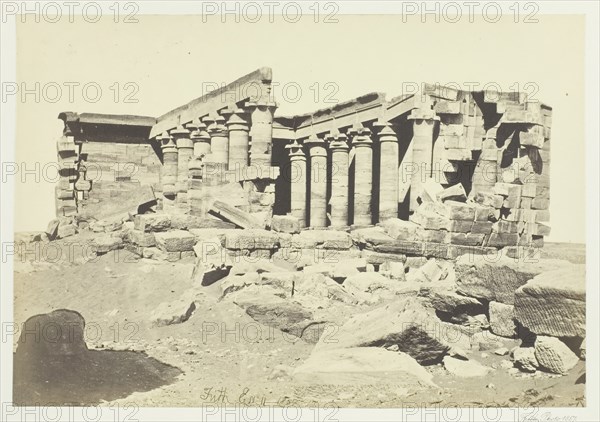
point(226, 358)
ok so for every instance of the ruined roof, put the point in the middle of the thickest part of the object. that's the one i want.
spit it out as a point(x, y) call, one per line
point(228, 96)
point(107, 119)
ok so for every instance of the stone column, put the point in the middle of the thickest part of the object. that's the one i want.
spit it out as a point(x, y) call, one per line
point(318, 182)
point(298, 183)
point(363, 177)
point(201, 140)
point(422, 151)
point(238, 140)
point(185, 150)
point(219, 141)
point(339, 180)
point(170, 167)
point(388, 173)
point(261, 131)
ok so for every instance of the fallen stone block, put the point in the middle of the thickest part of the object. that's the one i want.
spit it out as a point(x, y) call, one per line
point(379, 258)
point(363, 365)
point(141, 238)
point(106, 243)
point(453, 303)
point(322, 239)
point(432, 271)
point(66, 230)
point(554, 302)
point(459, 210)
point(51, 335)
point(502, 319)
point(554, 356)
point(430, 220)
point(191, 222)
point(524, 359)
point(234, 215)
point(371, 236)
point(370, 287)
point(169, 313)
point(52, 229)
point(288, 317)
point(285, 224)
point(251, 239)
point(496, 277)
point(400, 229)
point(488, 199)
point(431, 189)
point(404, 323)
point(453, 193)
point(175, 241)
point(465, 368)
point(157, 222)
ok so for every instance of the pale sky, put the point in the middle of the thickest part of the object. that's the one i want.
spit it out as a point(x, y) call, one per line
point(169, 58)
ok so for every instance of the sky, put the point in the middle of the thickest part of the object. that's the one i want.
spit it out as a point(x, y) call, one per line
point(162, 62)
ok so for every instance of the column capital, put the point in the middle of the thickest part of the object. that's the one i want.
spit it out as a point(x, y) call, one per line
point(316, 146)
point(237, 121)
point(387, 134)
point(166, 141)
point(362, 138)
point(192, 126)
point(423, 114)
point(339, 143)
point(262, 103)
point(295, 151)
point(180, 132)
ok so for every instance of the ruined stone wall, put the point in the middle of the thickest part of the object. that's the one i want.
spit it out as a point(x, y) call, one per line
point(101, 164)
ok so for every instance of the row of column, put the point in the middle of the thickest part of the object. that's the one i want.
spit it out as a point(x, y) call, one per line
point(315, 200)
point(232, 143)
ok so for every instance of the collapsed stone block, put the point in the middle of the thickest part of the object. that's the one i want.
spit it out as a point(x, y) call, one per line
point(323, 239)
point(400, 229)
point(145, 239)
point(285, 224)
point(497, 277)
point(553, 355)
point(554, 302)
point(158, 222)
point(524, 359)
point(502, 319)
point(175, 241)
point(251, 239)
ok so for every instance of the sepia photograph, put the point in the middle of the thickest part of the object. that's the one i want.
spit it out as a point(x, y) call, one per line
point(299, 211)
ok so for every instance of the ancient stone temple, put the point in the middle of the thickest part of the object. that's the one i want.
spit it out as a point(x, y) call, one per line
point(441, 166)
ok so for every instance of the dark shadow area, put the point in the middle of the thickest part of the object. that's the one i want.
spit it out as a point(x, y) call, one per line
point(280, 158)
point(404, 131)
point(53, 366)
point(87, 379)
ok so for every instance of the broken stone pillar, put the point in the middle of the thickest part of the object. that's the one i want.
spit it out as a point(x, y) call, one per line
point(339, 180)
point(363, 176)
point(201, 140)
point(261, 131)
point(298, 183)
point(170, 167)
point(219, 141)
point(388, 173)
point(238, 141)
point(185, 150)
point(486, 170)
point(318, 182)
point(422, 151)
